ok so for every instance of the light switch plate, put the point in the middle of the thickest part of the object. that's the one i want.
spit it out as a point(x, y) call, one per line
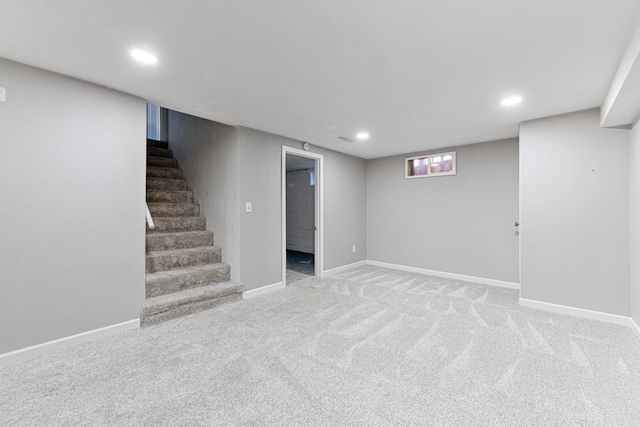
point(3, 94)
point(248, 207)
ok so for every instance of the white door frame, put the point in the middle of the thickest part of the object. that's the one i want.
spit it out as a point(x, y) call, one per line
point(319, 214)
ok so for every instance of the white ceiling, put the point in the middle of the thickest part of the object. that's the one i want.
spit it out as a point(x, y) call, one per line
point(416, 74)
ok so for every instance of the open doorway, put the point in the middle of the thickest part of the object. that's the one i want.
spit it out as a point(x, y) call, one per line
point(157, 123)
point(301, 215)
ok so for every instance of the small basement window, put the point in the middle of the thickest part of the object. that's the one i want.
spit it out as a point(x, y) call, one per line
point(430, 165)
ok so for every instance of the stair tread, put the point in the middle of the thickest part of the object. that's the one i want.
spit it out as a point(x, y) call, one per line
point(155, 183)
point(150, 190)
point(172, 259)
point(154, 143)
point(173, 209)
point(178, 217)
point(187, 277)
point(178, 240)
point(185, 250)
point(181, 233)
point(160, 151)
point(166, 218)
point(154, 178)
point(171, 203)
point(160, 167)
point(159, 304)
point(175, 224)
point(152, 157)
point(169, 196)
point(160, 158)
point(187, 270)
point(176, 184)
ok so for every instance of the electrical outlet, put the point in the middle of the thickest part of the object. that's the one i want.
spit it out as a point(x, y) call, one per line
point(248, 207)
point(353, 248)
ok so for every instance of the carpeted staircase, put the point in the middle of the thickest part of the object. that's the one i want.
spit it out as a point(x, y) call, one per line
point(185, 272)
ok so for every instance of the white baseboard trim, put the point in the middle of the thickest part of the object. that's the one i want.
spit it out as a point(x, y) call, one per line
point(47, 347)
point(262, 290)
point(635, 328)
point(578, 312)
point(343, 268)
point(446, 275)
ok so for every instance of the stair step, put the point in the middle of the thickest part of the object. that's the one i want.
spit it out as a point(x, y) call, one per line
point(169, 196)
point(178, 224)
point(166, 307)
point(156, 172)
point(166, 282)
point(174, 209)
point(152, 143)
point(184, 240)
point(160, 152)
point(162, 162)
point(181, 258)
point(166, 184)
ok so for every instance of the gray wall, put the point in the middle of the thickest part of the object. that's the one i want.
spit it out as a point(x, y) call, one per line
point(72, 176)
point(460, 224)
point(301, 211)
point(574, 210)
point(208, 154)
point(261, 231)
point(227, 167)
point(635, 223)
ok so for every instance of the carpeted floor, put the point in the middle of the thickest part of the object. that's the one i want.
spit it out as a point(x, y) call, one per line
point(366, 347)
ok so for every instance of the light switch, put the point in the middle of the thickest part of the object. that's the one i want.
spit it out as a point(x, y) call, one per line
point(3, 94)
point(353, 248)
point(248, 207)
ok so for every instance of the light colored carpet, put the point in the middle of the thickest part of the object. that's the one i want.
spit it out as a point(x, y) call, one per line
point(367, 347)
point(294, 276)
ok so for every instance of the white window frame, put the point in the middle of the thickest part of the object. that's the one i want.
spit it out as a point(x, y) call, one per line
point(431, 175)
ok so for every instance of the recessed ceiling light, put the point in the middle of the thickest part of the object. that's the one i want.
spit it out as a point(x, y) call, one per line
point(362, 136)
point(143, 56)
point(513, 100)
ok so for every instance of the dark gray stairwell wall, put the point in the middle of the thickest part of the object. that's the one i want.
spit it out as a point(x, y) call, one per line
point(208, 154)
point(73, 190)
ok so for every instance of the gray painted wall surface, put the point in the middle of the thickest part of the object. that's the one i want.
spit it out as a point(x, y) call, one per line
point(73, 189)
point(227, 167)
point(574, 210)
point(207, 152)
point(460, 224)
point(261, 231)
point(635, 223)
point(345, 208)
point(301, 211)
